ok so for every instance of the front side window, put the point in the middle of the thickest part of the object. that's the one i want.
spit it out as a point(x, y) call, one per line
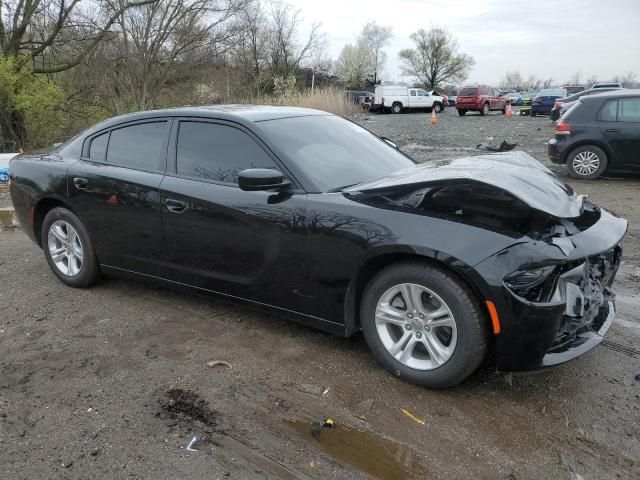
point(138, 146)
point(422, 93)
point(211, 151)
point(98, 147)
point(629, 110)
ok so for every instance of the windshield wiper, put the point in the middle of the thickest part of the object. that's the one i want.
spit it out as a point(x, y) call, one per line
point(339, 189)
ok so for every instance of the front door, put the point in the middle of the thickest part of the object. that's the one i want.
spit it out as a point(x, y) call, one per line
point(115, 190)
point(620, 124)
point(251, 245)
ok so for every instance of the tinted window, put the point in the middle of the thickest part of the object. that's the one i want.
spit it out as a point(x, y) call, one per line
point(217, 152)
point(552, 92)
point(98, 147)
point(608, 112)
point(629, 110)
point(138, 146)
point(468, 91)
point(333, 151)
point(422, 93)
point(413, 93)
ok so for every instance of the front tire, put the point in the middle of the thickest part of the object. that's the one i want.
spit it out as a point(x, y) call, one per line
point(423, 324)
point(587, 162)
point(462, 113)
point(68, 249)
point(438, 107)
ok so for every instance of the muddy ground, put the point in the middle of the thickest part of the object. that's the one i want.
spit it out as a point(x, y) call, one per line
point(113, 382)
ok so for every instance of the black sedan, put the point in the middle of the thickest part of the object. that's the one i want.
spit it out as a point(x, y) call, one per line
point(315, 218)
point(599, 133)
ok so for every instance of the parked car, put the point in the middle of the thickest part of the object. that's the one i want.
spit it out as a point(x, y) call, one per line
point(561, 105)
point(527, 97)
point(452, 100)
point(396, 98)
point(607, 85)
point(571, 89)
point(480, 98)
point(313, 217)
point(515, 98)
point(545, 99)
point(598, 134)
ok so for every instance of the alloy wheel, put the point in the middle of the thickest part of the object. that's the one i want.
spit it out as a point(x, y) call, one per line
point(65, 248)
point(416, 326)
point(586, 163)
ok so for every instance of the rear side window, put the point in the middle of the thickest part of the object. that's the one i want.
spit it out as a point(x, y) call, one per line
point(413, 93)
point(629, 110)
point(138, 146)
point(216, 152)
point(98, 147)
point(609, 111)
point(468, 91)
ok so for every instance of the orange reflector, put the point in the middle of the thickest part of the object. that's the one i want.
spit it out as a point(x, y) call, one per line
point(32, 212)
point(493, 313)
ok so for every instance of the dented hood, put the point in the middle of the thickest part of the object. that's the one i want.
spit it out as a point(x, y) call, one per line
point(515, 172)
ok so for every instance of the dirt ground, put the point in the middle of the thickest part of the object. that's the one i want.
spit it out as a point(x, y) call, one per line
point(113, 382)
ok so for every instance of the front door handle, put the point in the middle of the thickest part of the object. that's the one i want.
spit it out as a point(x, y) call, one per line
point(175, 206)
point(612, 130)
point(81, 183)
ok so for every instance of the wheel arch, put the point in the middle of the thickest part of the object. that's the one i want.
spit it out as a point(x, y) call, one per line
point(41, 208)
point(466, 274)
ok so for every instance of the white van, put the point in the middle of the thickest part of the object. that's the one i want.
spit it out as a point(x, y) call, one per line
point(397, 98)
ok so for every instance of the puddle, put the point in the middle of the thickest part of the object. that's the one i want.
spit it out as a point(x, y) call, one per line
point(379, 458)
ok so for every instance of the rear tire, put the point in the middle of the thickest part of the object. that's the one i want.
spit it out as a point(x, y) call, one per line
point(457, 336)
point(462, 113)
point(587, 162)
point(396, 107)
point(68, 249)
point(485, 109)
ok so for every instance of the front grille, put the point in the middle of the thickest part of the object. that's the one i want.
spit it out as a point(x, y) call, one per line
point(586, 290)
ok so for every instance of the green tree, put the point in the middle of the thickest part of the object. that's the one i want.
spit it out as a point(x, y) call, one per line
point(31, 110)
point(435, 60)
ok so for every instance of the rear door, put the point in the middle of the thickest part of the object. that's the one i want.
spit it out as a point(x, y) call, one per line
point(115, 190)
point(251, 245)
point(620, 124)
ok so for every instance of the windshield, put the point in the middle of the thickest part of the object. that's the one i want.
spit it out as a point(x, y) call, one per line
point(468, 91)
point(333, 151)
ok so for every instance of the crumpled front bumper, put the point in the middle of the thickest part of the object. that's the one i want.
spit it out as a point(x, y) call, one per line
point(580, 311)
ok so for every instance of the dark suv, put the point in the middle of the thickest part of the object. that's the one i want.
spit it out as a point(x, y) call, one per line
point(599, 133)
point(481, 98)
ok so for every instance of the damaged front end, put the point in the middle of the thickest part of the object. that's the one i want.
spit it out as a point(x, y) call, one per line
point(552, 286)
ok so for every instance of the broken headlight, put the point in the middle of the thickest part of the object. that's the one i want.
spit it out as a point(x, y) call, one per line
point(535, 284)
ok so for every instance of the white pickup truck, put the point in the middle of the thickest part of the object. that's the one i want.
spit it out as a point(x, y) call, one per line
point(397, 98)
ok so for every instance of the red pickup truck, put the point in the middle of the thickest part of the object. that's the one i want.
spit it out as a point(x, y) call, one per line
point(480, 98)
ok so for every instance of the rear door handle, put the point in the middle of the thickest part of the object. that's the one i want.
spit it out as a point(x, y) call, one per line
point(81, 183)
point(612, 130)
point(175, 206)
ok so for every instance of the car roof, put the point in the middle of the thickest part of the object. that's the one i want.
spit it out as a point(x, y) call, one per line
point(242, 113)
point(621, 92)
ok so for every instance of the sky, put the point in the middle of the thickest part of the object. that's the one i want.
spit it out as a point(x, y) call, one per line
point(549, 39)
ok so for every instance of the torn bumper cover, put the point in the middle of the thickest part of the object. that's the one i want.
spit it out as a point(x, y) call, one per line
point(578, 307)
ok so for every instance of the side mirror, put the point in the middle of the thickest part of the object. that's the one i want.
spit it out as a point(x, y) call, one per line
point(389, 142)
point(254, 179)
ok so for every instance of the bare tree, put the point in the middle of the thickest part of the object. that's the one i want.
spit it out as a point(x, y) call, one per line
point(512, 80)
point(627, 80)
point(376, 37)
point(436, 59)
point(576, 78)
point(168, 40)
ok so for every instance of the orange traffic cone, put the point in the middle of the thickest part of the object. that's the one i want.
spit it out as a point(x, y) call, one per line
point(509, 112)
point(434, 120)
